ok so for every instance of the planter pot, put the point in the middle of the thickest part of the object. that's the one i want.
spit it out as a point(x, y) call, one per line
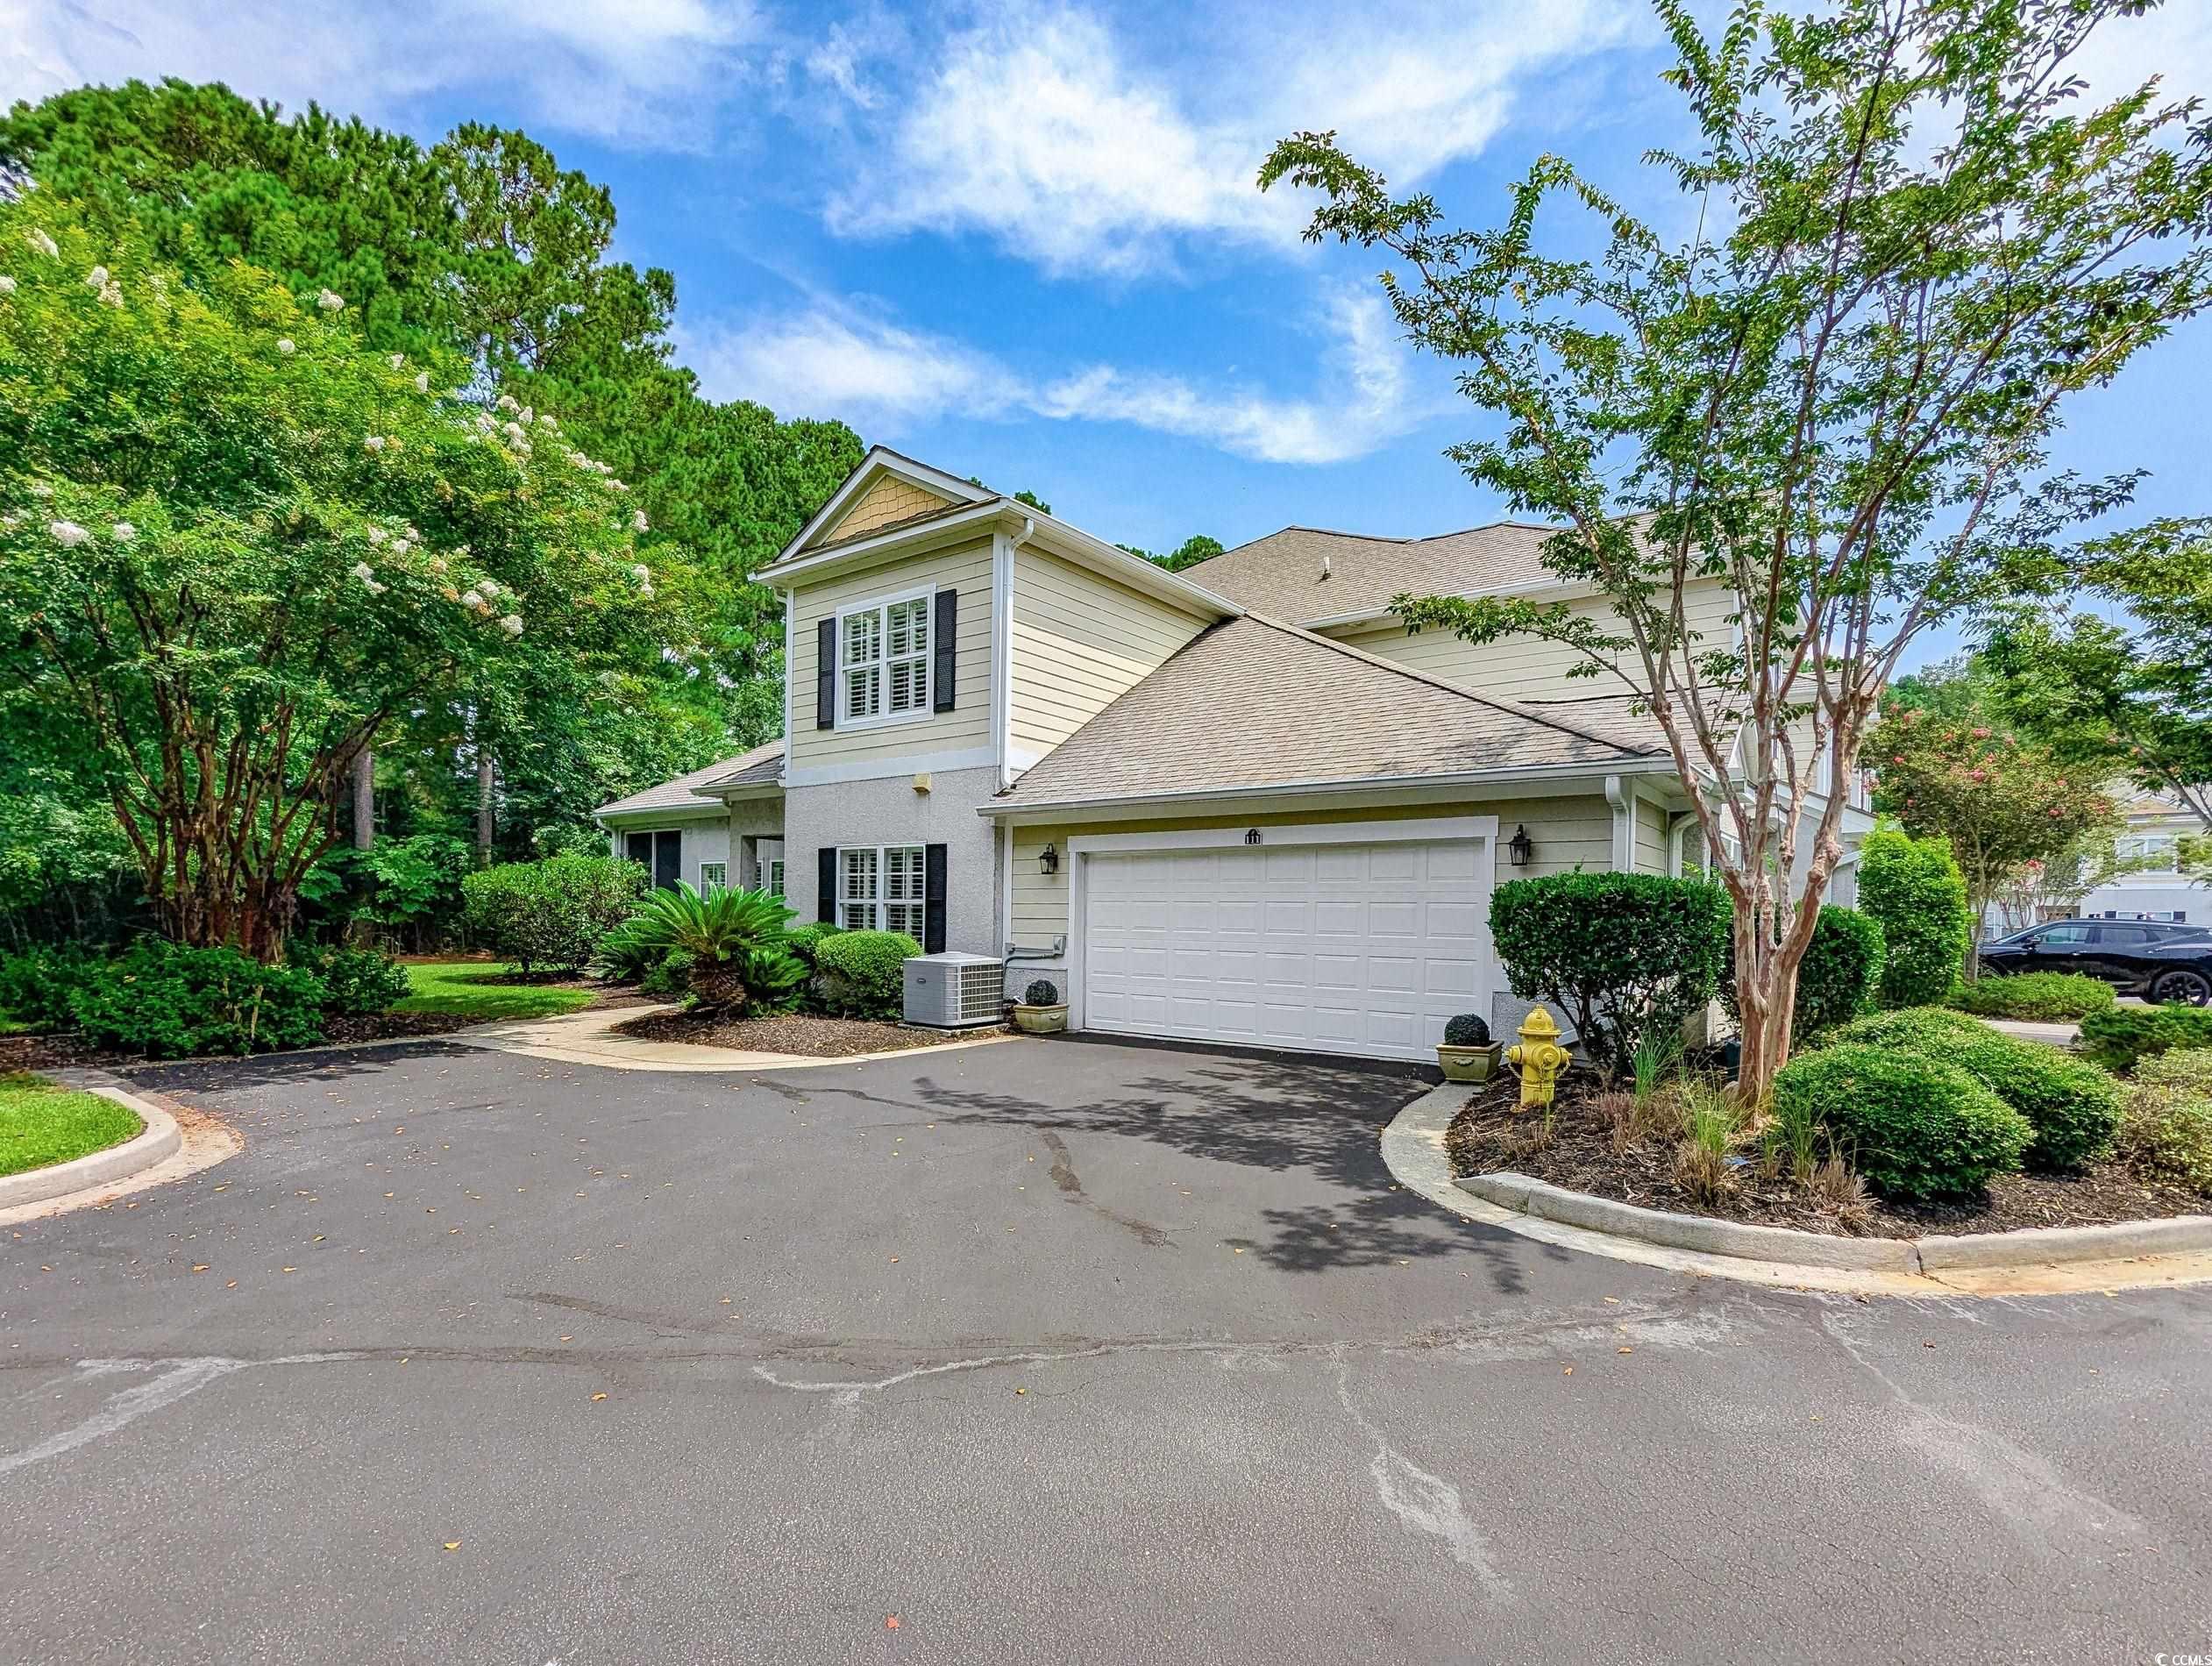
point(1468, 1064)
point(1040, 1020)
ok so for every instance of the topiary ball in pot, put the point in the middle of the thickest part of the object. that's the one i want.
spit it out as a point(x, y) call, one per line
point(1039, 1011)
point(1042, 991)
point(1468, 1030)
point(1467, 1053)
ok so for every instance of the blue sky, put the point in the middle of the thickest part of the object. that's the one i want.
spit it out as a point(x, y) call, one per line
point(1020, 239)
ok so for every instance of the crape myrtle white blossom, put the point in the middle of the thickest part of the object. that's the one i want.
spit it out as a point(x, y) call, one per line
point(398, 358)
point(423, 381)
point(374, 442)
point(45, 245)
point(331, 301)
point(124, 532)
point(284, 345)
point(68, 534)
point(512, 624)
point(97, 279)
point(7, 284)
point(638, 523)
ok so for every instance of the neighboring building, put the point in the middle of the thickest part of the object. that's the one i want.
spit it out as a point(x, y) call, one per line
point(1238, 803)
point(2157, 824)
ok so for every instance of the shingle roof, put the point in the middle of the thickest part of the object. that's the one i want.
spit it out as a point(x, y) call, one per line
point(1297, 707)
point(1280, 575)
point(759, 767)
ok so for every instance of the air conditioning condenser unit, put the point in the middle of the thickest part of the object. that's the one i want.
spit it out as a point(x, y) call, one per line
point(955, 991)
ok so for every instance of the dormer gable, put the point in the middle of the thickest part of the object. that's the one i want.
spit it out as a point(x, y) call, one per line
point(888, 489)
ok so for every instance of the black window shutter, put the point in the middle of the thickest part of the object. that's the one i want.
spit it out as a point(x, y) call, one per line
point(826, 884)
point(826, 675)
point(933, 899)
point(947, 656)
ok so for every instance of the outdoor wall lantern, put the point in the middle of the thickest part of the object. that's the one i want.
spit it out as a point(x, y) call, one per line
point(1049, 859)
point(1521, 848)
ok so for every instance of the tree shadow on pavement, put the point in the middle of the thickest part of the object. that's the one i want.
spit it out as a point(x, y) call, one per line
point(1290, 1116)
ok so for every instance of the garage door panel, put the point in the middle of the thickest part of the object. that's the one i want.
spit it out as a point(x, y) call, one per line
point(1345, 948)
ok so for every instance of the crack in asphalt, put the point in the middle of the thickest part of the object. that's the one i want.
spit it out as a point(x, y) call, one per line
point(1063, 1175)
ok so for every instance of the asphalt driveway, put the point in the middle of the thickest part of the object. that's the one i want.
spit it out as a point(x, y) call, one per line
point(1047, 1351)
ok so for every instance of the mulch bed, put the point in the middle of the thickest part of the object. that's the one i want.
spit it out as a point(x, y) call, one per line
point(66, 1051)
point(1491, 1134)
point(801, 1033)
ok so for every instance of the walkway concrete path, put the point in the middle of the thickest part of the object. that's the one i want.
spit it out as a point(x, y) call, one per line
point(590, 1037)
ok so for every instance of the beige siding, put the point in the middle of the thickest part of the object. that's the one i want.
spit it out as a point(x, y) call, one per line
point(966, 727)
point(1567, 832)
point(889, 499)
point(1651, 838)
point(1524, 668)
point(1080, 642)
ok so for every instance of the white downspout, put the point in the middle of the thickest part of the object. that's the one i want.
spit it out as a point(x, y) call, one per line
point(1622, 796)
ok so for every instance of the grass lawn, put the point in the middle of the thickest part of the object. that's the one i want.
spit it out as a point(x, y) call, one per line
point(42, 1124)
point(485, 989)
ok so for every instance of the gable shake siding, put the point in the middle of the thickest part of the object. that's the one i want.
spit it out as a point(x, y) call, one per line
point(889, 500)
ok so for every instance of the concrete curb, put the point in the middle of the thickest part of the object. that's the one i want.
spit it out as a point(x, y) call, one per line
point(1707, 1236)
point(155, 1143)
point(2031, 1261)
point(590, 1037)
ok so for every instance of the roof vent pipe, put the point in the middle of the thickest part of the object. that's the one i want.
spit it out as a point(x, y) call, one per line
point(1324, 566)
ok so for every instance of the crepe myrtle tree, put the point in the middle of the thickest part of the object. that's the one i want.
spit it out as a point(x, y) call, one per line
point(1914, 237)
point(235, 544)
point(2002, 801)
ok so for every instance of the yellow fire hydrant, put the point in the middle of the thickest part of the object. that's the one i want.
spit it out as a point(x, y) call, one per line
point(1538, 1058)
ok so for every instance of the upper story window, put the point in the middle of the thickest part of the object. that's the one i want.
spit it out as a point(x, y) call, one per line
point(2148, 848)
point(885, 655)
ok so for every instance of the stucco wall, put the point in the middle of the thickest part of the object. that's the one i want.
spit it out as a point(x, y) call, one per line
point(891, 812)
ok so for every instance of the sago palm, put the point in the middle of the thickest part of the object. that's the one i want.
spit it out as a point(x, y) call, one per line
point(734, 938)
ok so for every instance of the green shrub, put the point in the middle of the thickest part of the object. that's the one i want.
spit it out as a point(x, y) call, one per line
point(1837, 979)
point(356, 982)
point(2047, 996)
point(2073, 1106)
point(2166, 1134)
point(1913, 889)
point(668, 978)
point(551, 915)
point(2121, 1037)
point(1915, 1126)
point(1466, 1029)
point(170, 1002)
point(35, 985)
point(2186, 1068)
point(1618, 953)
point(803, 941)
point(861, 971)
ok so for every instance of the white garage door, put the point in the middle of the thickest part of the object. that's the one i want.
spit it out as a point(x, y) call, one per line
point(1337, 948)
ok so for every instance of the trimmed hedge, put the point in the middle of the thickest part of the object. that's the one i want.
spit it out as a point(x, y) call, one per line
point(803, 943)
point(551, 915)
point(2073, 1106)
point(862, 972)
point(1914, 889)
point(2048, 996)
point(2118, 1038)
point(1915, 1126)
point(1618, 953)
point(170, 1002)
point(2166, 1135)
point(1839, 978)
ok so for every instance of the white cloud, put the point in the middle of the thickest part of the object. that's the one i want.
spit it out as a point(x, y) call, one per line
point(1037, 127)
point(649, 72)
point(846, 360)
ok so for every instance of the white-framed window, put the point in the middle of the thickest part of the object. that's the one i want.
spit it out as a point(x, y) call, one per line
point(712, 876)
point(880, 888)
point(883, 659)
point(2147, 847)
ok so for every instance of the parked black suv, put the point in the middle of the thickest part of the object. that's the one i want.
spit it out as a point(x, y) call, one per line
point(2144, 958)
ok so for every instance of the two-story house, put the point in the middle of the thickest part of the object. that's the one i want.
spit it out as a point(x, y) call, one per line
point(1238, 803)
